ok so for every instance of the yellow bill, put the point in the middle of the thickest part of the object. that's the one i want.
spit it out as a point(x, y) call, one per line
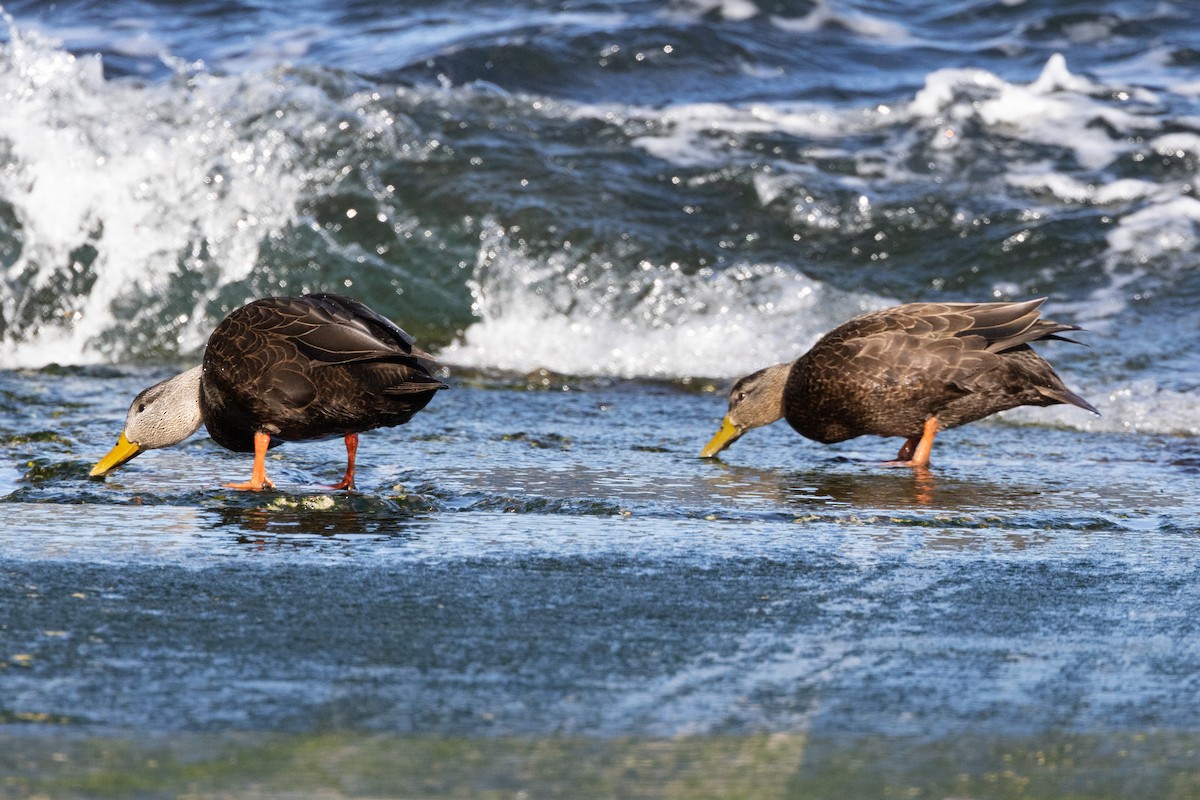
point(725, 437)
point(122, 452)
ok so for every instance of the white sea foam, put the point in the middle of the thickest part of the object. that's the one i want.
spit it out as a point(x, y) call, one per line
point(1058, 108)
point(822, 14)
point(733, 10)
point(1170, 225)
point(696, 134)
point(1074, 190)
point(151, 177)
point(590, 319)
point(1139, 406)
point(1157, 222)
point(1178, 144)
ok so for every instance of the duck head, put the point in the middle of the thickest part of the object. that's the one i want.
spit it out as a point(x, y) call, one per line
point(754, 401)
point(160, 416)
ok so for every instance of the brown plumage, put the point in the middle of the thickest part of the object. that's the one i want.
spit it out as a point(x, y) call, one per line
point(906, 371)
point(286, 369)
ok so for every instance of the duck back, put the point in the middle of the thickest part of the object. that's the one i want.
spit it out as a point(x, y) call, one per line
point(311, 367)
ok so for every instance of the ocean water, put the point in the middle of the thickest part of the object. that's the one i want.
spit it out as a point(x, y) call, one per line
point(597, 214)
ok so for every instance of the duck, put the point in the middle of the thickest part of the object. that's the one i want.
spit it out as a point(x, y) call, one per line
point(907, 371)
point(285, 369)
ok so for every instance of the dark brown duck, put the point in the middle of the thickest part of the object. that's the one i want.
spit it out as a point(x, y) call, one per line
point(907, 371)
point(285, 369)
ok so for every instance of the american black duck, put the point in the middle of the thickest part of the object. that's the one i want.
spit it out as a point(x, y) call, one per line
point(285, 369)
point(906, 371)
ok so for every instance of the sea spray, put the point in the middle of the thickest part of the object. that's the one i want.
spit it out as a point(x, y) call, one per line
point(586, 317)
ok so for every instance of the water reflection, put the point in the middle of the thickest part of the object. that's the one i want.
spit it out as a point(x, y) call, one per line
point(846, 486)
point(883, 488)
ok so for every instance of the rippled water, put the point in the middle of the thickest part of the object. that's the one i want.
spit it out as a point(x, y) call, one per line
point(596, 214)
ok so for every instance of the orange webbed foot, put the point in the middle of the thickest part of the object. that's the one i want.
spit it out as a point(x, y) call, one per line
point(258, 476)
point(347, 481)
point(251, 485)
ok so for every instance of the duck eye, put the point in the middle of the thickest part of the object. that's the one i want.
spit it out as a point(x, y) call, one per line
point(141, 407)
point(741, 396)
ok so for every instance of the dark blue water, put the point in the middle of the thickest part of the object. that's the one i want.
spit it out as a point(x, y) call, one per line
point(596, 214)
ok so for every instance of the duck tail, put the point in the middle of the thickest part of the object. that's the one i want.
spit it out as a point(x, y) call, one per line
point(1056, 337)
point(1064, 395)
point(1049, 329)
point(415, 384)
point(1003, 325)
point(1009, 325)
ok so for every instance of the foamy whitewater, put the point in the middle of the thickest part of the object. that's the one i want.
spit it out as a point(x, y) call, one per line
point(152, 182)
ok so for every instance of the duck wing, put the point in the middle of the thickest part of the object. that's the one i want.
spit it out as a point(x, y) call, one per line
point(332, 329)
point(923, 349)
point(949, 343)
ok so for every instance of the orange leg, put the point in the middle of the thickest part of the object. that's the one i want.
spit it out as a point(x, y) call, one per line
point(258, 477)
point(916, 449)
point(347, 481)
point(920, 457)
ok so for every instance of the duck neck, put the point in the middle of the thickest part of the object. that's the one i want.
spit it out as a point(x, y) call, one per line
point(184, 390)
point(776, 378)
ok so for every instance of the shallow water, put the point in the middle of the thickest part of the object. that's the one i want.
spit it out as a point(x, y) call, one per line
point(554, 570)
point(596, 214)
